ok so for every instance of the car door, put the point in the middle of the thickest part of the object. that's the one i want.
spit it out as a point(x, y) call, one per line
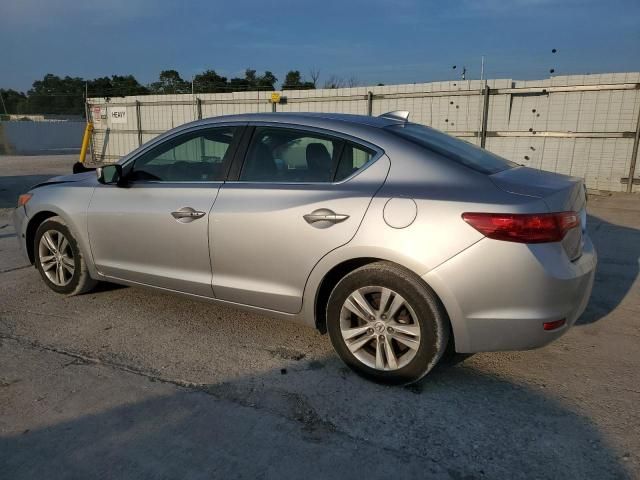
point(300, 194)
point(155, 229)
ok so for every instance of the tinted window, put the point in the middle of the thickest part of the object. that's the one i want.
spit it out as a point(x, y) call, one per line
point(282, 155)
point(195, 157)
point(353, 159)
point(457, 150)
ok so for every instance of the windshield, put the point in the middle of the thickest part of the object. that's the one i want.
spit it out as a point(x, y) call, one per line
point(453, 148)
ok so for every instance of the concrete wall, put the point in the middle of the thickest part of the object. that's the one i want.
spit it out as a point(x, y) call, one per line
point(40, 138)
point(582, 125)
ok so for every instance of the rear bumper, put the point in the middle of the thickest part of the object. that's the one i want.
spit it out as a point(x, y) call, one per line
point(20, 222)
point(499, 294)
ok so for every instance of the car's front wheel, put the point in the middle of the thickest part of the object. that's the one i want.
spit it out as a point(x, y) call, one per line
point(59, 259)
point(386, 324)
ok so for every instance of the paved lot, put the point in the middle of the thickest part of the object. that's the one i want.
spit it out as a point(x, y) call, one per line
point(126, 382)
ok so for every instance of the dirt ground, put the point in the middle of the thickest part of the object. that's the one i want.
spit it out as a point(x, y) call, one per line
point(133, 383)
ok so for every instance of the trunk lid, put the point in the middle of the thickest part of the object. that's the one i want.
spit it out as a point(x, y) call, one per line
point(560, 193)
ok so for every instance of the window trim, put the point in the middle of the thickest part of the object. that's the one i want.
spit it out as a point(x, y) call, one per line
point(235, 145)
point(240, 160)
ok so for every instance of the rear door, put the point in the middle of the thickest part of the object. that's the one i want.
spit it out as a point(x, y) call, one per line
point(299, 194)
point(155, 230)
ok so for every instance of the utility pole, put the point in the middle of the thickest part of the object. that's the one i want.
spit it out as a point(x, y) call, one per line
point(4, 107)
point(480, 110)
point(86, 101)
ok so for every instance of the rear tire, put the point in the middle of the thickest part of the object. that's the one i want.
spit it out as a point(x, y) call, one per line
point(386, 324)
point(59, 260)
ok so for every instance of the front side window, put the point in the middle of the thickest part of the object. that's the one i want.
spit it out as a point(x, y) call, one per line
point(199, 156)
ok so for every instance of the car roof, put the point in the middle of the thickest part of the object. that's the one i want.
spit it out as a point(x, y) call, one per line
point(363, 127)
point(305, 118)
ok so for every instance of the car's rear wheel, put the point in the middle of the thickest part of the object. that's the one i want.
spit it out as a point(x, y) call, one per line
point(387, 324)
point(59, 259)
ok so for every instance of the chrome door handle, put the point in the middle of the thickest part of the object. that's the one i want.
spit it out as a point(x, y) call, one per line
point(187, 214)
point(319, 217)
point(324, 218)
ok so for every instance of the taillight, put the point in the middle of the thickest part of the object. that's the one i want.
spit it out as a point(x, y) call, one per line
point(554, 325)
point(523, 227)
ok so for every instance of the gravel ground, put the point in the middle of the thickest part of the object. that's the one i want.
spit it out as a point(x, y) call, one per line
point(132, 383)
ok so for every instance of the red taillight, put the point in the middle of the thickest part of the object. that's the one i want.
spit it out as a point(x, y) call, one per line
point(553, 325)
point(523, 228)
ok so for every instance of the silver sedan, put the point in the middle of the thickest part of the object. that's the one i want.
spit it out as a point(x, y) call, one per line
point(398, 240)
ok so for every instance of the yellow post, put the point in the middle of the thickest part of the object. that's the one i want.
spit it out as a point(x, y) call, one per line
point(85, 141)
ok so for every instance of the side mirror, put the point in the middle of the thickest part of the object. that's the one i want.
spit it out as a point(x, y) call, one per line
point(110, 174)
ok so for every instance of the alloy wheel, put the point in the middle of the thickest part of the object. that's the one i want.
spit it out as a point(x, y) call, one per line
point(380, 328)
point(56, 257)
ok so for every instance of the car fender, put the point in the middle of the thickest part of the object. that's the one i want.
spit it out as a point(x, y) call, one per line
point(71, 205)
point(340, 255)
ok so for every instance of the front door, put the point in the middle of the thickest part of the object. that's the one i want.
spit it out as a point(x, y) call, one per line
point(300, 195)
point(155, 230)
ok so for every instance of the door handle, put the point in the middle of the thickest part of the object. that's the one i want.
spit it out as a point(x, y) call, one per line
point(324, 218)
point(187, 214)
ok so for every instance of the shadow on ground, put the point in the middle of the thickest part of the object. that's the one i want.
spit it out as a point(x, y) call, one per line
point(102, 287)
point(460, 423)
point(618, 249)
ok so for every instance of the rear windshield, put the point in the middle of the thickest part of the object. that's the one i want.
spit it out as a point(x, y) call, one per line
point(457, 150)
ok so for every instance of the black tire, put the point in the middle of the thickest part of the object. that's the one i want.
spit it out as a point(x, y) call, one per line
point(432, 318)
point(81, 281)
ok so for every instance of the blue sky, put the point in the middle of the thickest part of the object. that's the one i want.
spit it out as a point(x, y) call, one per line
point(401, 41)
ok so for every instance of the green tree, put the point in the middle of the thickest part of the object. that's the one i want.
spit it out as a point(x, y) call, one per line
point(170, 81)
point(209, 82)
point(251, 81)
point(13, 102)
point(57, 95)
point(266, 81)
point(100, 87)
point(127, 85)
point(116, 86)
point(293, 80)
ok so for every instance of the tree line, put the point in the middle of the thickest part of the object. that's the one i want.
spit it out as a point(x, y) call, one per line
point(66, 95)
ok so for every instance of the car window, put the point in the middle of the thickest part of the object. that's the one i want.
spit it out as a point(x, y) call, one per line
point(353, 158)
point(286, 155)
point(194, 157)
point(453, 148)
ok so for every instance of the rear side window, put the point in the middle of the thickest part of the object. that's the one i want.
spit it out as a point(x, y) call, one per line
point(353, 159)
point(453, 148)
point(285, 155)
point(281, 155)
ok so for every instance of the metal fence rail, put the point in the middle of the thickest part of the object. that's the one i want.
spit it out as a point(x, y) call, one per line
point(583, 125)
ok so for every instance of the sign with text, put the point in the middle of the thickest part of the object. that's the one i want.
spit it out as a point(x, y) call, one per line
point(96, 115)
point(118, 114)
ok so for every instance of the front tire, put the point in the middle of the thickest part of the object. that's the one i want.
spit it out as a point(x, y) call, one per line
point(387, 324)
point(59, 260)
